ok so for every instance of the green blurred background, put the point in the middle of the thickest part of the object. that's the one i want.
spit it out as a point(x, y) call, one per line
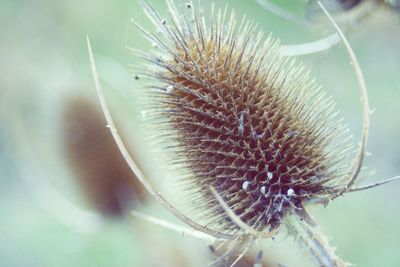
point(44, 62)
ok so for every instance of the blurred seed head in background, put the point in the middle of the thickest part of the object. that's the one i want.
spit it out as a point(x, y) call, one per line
point(100, 169)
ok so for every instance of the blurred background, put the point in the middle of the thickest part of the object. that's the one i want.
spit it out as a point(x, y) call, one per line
point(65, 191)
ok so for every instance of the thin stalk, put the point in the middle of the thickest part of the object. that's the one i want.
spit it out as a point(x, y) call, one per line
point(312, 240)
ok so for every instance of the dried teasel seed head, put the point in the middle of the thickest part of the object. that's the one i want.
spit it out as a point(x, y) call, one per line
point(242, 118)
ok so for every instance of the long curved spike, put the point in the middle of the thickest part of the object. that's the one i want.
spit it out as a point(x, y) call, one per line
point(362, 188)
point(173, 227)
point(132, 165)
point(311, 47)
point(356, 168)
point(303, 48)
point(280, 12)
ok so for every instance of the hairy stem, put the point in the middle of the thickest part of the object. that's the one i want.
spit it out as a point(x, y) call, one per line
point(312, 240)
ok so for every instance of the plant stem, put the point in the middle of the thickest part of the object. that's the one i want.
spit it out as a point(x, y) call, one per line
point(312, 240)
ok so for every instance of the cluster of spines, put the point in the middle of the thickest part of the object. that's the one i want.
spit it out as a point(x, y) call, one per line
point(243, 119)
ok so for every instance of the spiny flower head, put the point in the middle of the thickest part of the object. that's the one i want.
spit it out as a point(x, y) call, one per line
point(244, 120)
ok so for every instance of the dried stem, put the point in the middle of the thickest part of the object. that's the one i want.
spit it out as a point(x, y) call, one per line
point(314, 242)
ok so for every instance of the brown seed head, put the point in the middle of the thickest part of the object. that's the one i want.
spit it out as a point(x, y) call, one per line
point(244, 119)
